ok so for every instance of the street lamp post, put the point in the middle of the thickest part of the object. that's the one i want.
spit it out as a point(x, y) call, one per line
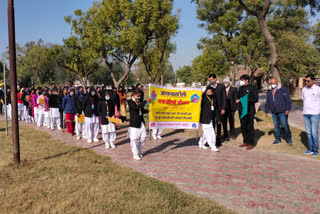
point(13, 83)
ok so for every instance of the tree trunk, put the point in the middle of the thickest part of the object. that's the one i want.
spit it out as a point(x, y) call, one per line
point(162, 79)
point(272, 48)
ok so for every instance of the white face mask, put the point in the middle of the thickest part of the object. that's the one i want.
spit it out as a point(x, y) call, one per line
point(273, 86)
point(71, 93)
point(226, 85)
point(242, 83)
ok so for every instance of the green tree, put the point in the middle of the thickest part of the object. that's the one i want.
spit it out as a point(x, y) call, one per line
point(184, 74)
point(76, 58)
point(119, 30)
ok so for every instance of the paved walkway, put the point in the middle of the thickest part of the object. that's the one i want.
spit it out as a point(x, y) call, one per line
point(247, 181)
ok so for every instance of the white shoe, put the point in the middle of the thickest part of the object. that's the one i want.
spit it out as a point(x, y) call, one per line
point(136, 157)
point(159, 137)
point(96, 140)
point(107, 146)
point(89, 141)
point(84, 137)
point(112, 145)
point(140, 155)
point(203, 147)
point(78, 137)
point(215, 149)
point(154, 137)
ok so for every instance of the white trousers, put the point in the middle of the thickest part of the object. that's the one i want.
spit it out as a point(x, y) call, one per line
point(208, 135)
point(47, 120)
point(138, 138)
point(54, 118)
point(92, 127)
point(35, 114)
point(80, 128)
point(26, 115)
point(20, 111)
point(40, 118)
point(156, 132)
point(109, 137)
point(9, 113)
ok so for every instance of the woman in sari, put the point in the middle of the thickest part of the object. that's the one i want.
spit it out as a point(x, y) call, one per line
point(123, 104)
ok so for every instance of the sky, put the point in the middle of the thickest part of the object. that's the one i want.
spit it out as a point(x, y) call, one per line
point(44, 19)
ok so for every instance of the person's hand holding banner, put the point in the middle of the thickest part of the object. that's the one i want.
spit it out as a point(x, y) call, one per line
point(114, 120)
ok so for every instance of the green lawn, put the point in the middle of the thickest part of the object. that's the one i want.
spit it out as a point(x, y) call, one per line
point(55, 178)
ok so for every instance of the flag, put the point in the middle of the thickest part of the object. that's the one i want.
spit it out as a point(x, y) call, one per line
point(244, 103)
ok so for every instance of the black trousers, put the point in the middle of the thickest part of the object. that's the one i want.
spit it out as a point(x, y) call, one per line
point(217, 128)
point(229, 115)
point(1, 107)
point(247, 129)
point(62, 124)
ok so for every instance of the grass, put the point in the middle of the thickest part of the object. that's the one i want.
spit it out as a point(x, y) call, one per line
point(55, 178)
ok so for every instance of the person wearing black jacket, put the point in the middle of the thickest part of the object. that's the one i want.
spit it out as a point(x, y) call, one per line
point(247, 122)
point(220, 93)
point(9, 112)
point(54, 109)
point(91, 120)
point(139, 85)
point(62, 114)
point(231, 107)
point(78, 111)
point(207, 116)
point(137, 129)
point(106, 110)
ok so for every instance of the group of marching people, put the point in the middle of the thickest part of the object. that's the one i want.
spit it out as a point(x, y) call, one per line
point(84, 112)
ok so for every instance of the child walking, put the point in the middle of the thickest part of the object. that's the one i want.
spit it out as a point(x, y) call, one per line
point(137, 130)
point(106, 110)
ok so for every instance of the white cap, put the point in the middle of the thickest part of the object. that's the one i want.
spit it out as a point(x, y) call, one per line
point(226, 80)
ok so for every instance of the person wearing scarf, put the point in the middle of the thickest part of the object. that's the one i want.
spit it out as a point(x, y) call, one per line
point(78, 110)
point(207, 118)
point(137, 130)
point(91, 120)
point(106, 111)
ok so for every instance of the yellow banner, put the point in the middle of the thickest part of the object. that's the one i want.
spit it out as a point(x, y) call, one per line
point(174, 108)
point(80, 118)
point(115, 120)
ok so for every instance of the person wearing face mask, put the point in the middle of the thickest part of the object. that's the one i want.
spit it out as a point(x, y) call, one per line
point(78, 110)
point(91, 120)
point(106, 110)
point(231, 107)
point(220, 93)
point(140, 86)
point(54, 109)
point(68, 108)
point(311, 113)
point(137, 130)
point(207, 116)
point(247, 122)
point(278, 102)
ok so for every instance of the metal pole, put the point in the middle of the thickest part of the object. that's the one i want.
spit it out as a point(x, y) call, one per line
point(5, 97)
point(13, 83)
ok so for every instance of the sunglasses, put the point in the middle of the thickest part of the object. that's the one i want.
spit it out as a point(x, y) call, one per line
point(307, 81)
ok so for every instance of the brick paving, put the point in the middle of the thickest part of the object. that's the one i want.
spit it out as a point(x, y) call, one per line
point(247, 181)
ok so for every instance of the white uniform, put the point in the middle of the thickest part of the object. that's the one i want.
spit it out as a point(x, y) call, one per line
point(80, 128)
point(92, 127)
point(208, 135)
point(55, 118)
point(137, 138)
point(109, 134)
point(47, 120)
point(20, 111)
point(35, 114)
point(156, 132)
point(40, 116)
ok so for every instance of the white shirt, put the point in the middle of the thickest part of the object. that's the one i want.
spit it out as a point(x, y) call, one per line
point(311, 100)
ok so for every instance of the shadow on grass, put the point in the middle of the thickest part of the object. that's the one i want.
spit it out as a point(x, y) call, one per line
point(64, 153)
point(304, 138)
